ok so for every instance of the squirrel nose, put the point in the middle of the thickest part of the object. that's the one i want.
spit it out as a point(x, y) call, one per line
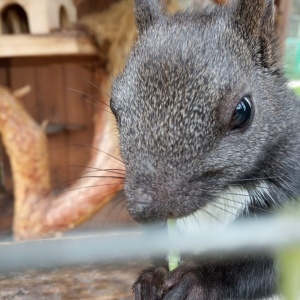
point(139, 202)
point(142, 202)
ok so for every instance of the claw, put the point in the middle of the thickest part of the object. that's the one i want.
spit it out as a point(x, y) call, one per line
point(149, 285)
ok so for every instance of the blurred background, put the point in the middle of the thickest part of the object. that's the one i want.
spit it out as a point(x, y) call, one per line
point(292, 43)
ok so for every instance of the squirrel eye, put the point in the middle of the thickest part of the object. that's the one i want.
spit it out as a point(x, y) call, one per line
point(113, 110)
point(243, 114)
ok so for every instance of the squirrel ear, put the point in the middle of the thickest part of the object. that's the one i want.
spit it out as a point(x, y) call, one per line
point(269, 16)
point(250, 14)
point(256, 20)
point(146, 13)
point(270, 54)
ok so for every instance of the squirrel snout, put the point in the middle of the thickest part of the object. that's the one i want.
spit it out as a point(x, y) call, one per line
point(139, 204)
point(145, 207)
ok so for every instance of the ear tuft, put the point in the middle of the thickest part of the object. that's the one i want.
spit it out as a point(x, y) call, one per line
point(268, 39)
point(146, 12)
point(269, 15)
point(250, 14)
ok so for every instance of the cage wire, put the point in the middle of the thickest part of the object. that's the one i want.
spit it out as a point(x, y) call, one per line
point(271, 234)
point(278, 235)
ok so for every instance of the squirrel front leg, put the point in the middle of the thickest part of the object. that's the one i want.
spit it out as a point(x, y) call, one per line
point(248, 278)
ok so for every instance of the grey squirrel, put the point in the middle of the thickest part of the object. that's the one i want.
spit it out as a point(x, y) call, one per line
point(208, 126)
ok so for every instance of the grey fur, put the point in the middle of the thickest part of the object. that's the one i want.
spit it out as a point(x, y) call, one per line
point(174, 102)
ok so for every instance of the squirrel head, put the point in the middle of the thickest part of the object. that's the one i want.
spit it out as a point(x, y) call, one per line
point(200, 103)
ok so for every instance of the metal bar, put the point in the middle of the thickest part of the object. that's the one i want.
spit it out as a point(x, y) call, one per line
point(267, 235)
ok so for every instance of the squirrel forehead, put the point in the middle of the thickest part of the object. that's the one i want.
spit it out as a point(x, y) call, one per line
point(183, 68)
point(178, 70)
point(202, 43)
point(183, 56)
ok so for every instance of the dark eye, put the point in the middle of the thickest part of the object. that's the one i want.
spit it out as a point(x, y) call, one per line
point(113, 110)
point(243, 114)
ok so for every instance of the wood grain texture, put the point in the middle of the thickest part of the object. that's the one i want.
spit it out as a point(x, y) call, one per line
point(82, 283)
point(80, 107)
point(90, 6)
point(52, 108)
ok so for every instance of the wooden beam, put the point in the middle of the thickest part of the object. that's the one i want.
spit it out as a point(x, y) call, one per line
point(46, 45)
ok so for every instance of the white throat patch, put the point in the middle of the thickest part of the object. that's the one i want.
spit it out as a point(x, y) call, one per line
point(221, 212)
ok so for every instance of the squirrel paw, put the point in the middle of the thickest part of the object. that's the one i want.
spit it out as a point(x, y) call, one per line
point(150, 283)
point(156, 283)
point(185, 283)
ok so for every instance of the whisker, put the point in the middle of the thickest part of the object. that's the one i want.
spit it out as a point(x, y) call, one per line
point(117, 203)
point(100, 176)
point(235, 201)
point(90, 102)
point(104, 170)
point(210, 214)
point(92, 83)
point(223, 193)
point(91, 186)
point(246, 205)
point(96, 169)
point(119, 212)
point(98, 88)
point(92, 216)
point(241, 184)
point(99, 150)
point(110, 155)
point(92, 196)
point(230, 212)
point(245, 179)
point(83, 177)
point(80, 92)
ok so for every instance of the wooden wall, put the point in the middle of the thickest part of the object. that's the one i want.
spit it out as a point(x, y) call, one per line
point(53, 100)
point(62, 89)
point(88, 6)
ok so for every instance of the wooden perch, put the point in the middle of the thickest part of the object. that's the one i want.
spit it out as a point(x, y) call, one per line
point(38, 212)
point(46, 45)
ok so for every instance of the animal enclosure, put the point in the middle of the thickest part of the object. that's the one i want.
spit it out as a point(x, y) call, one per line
point(68, 66)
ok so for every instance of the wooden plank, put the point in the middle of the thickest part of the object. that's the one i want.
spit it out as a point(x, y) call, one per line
point(51, 100)
point(46, 45)
point(91, 6)
point(33, 61)
point(79, 95)
point(83, 282)
point(51, 103)
point(4, 78)
point(21, 76)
